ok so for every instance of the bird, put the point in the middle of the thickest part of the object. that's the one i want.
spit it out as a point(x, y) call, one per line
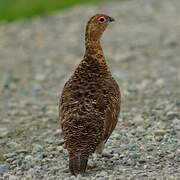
point(89, 105)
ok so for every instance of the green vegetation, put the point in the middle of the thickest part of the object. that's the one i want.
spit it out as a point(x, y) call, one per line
point(14, 9)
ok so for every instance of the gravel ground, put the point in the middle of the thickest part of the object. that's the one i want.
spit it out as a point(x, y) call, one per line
point(142, 48)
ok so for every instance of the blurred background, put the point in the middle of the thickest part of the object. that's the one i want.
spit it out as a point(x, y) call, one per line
point(41, 44)
point(11, 10)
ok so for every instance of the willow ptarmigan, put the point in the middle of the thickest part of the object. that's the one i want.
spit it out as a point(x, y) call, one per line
point(90, 101)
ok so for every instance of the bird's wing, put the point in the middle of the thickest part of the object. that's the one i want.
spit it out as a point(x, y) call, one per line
point(64, 102)
point(112, 108)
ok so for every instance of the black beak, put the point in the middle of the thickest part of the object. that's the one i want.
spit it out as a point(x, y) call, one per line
point(111, 19)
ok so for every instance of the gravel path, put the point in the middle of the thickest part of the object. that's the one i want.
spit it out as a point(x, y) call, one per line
point(143, 50)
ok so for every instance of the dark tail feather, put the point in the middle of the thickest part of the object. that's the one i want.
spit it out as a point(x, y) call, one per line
point(77, 165)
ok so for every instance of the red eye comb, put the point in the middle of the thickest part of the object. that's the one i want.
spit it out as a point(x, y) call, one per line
point(101, 18)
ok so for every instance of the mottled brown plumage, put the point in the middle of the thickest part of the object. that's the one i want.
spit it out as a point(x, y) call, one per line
point(90, 101)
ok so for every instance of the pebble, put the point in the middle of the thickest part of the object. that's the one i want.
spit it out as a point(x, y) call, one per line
point(22, 151)
point(176, 124)
point(160, 82)
point(101, 178)
point(12, 177)
point(159, 138)
point(178, 103)
point(3, 132)
point(172, 115)
point(49, 140)
point(14, 145)
point(3, 168)
point(102, 174)
point(9, 81)
point(59, 142)
point(135, 155)
point(142, 160)
point(58, 132)
point(37, 148)
point(160, 132)
point(140, 129)
point(60, 149)
point(9, 160)
point(2, 158)
point(70, 178)
point(28, 158)
point(129, 162)
point(40, 77)
point(138, 120)
point(9, 155)
point(13, 166)
point(107, 155)
point(111, 177)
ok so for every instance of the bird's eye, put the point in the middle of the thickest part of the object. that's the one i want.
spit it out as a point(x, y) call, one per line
point(101, 19)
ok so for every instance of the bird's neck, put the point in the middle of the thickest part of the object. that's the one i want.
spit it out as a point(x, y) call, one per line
point(93, 62)
point(93, 47)
point(94, 51)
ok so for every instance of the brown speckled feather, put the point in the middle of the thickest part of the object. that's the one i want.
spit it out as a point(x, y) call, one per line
point(90, 101)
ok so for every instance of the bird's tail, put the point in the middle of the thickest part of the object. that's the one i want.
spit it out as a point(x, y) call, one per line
point(78, 164)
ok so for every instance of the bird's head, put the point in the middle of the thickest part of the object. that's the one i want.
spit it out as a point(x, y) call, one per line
point(97, 25)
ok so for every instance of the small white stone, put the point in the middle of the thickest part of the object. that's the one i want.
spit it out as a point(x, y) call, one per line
point(40, 77)
point(111, 177)
point(58, 132)
point(38, 148)
point(12, 177)
point(138, 120)
point(103, 174)
point(160, 132)
point(28, 158)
